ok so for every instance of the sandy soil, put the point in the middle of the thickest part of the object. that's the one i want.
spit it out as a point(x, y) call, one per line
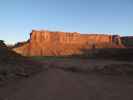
point(59, 84)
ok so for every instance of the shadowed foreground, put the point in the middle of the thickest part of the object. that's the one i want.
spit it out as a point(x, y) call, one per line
point(60, 84)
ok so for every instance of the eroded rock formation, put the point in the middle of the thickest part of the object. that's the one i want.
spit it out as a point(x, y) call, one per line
point(46, 43)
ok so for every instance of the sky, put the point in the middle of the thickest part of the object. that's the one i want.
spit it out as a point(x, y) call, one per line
point(19, 17)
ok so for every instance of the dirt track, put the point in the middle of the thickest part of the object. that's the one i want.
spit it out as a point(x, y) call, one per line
point(58, 84)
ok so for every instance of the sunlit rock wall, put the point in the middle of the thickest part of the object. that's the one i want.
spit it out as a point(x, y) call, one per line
point(46, 43)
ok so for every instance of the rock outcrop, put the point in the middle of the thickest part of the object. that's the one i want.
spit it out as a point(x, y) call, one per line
point(46, 43)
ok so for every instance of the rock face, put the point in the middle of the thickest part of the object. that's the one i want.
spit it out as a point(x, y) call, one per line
point(46, 43)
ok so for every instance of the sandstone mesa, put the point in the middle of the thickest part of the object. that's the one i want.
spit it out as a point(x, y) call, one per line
point(47, 43)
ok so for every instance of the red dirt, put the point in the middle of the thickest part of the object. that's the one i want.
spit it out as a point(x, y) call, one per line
point(60, 84)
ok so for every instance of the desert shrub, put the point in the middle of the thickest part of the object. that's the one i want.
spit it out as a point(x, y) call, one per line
point(2, 44)
point(13, 65)
point(72, 69)
point(127, 41)
point(119, 69)
point(110, 53)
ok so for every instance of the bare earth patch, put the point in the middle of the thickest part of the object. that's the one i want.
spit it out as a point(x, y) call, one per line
point(75, 79)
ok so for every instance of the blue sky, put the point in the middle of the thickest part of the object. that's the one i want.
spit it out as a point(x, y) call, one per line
point(19, 17)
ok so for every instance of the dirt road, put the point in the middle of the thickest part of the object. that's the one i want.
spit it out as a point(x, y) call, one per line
point(58, 84)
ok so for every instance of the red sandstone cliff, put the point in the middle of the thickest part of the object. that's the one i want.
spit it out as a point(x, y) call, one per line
point(46, 43)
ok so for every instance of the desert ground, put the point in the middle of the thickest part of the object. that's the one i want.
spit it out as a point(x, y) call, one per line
point(74, 79)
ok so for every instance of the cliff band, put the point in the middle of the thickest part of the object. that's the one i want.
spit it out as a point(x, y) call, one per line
point(47, 43)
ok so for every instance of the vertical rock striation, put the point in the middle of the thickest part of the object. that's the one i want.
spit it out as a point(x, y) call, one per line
point(47, 43)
